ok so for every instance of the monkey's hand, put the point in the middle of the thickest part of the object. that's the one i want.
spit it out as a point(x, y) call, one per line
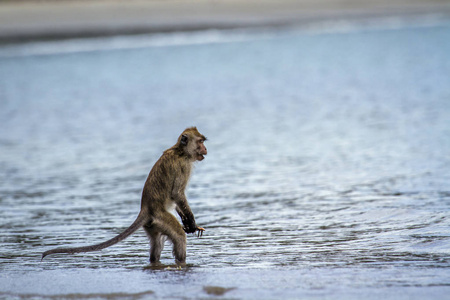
point(200, 231)
point(189, 225)
point(189, 228)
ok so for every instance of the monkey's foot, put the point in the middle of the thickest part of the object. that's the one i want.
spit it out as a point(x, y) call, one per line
point(200, 231)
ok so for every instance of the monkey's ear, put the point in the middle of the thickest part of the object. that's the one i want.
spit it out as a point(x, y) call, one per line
point(184, 140)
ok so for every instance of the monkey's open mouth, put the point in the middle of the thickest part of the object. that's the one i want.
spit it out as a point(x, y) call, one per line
point(200, 157)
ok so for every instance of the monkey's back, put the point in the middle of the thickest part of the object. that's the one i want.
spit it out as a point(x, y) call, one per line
point(157, 192)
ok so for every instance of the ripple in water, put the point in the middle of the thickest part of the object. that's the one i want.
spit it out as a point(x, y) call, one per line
point(327, 171)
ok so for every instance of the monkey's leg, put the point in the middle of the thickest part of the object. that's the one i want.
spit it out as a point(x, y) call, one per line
point(156, 243)
point(168, 225)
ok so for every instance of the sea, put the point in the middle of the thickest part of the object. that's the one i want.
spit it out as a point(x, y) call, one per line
point(327, 174)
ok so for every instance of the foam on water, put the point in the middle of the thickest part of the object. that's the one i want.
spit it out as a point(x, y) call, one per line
point(79, 45)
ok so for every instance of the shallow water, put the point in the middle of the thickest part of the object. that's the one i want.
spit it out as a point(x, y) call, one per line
point(327, 173)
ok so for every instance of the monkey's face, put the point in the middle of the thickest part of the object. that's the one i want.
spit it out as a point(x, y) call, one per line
point(201, 149)
point(194, 146)
point(192, 143)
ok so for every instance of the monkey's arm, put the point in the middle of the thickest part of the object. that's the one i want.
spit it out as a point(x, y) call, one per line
point(182, 208)
point(184, 219)
point(186, 223)
point(187, 217)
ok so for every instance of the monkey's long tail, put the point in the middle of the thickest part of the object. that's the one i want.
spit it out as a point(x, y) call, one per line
point(140, 221)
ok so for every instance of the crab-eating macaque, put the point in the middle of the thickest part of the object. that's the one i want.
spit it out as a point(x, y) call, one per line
point(163, 191)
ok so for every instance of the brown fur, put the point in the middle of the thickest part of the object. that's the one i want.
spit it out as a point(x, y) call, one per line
point(163, 190)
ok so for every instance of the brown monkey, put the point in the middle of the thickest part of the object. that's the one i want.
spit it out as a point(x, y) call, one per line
point(163, 191)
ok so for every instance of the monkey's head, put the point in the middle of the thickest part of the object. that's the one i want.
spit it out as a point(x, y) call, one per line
point(191, 144)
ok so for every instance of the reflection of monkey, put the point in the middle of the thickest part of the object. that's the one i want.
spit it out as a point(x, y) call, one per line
point(163, 191)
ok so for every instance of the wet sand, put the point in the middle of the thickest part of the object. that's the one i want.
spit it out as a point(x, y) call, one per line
point(29, 20)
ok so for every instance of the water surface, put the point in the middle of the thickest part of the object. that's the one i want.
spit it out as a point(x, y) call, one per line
point(327, 174)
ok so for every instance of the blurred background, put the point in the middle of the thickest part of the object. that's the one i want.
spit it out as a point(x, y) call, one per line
point(22, 20)
point(328, 126)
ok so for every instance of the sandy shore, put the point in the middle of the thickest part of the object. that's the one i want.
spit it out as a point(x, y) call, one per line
point(28, 20)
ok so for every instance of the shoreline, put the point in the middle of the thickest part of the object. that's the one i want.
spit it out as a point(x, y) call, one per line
point(52, 20)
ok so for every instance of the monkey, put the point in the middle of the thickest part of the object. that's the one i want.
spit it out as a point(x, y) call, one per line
point(163, 191)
